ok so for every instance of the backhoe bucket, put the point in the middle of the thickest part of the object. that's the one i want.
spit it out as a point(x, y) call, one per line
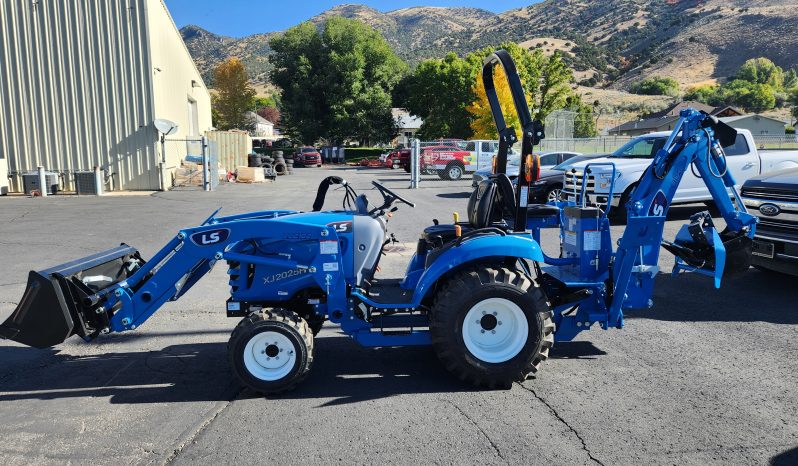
point(66, 300)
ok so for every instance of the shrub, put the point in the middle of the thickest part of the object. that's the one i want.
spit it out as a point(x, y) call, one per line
point(656, 85)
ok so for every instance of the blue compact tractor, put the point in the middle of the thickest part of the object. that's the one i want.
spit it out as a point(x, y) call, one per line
point(480, 291)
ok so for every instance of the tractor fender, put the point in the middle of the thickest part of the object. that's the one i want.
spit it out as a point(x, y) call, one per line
point(472, 251)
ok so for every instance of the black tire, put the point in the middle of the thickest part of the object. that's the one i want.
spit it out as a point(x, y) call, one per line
point(453, 172)
point(469, 288)
point(549, 193)
point(280, 168)
point(292, 329)
point(620, 213)
point(406, 167)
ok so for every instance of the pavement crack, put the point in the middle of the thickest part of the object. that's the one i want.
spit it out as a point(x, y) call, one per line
point(480, 429)
point(191, 434)
point(563, 422)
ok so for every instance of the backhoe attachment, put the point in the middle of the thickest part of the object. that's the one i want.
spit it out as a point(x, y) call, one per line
point(65, 300)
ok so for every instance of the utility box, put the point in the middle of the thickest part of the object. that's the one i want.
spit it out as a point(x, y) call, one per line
point(30, 183)
point(86, 182)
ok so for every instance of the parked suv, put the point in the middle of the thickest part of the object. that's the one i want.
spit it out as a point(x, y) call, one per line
point(307, 156)
point(774, 199)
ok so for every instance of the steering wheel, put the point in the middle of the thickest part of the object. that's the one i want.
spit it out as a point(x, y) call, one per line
point(389, 197)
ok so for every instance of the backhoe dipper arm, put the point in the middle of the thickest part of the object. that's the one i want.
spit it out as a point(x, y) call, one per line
point(193, 252)
point(697, 139)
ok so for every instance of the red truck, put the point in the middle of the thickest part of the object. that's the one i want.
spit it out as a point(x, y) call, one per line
point(398, 158)
point(447, 160)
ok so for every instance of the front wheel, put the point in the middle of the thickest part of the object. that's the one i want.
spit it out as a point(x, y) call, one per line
point(271, 351)
point(554, 194)
point(491, 326)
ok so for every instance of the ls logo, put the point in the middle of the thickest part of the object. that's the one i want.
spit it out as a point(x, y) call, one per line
point(658, 205)
point(207, 238)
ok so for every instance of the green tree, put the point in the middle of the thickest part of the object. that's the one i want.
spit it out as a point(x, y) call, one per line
point(761, 71)
point(656, 85)
point(754, 97)
point(361, 71)
point(336, 84)
point(794, 105)
point(438, 91)
point(584, 123)
point(233, 96)
point(706, 94)
point(790, 80)
point(298, 61)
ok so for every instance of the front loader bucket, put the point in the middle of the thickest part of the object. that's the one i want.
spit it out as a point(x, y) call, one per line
point(64, 300)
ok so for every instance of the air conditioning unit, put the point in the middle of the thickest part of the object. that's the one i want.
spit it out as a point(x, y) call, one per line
point(30, 182)
point(86, 182)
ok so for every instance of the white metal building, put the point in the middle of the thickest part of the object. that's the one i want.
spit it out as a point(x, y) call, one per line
point(81, 82)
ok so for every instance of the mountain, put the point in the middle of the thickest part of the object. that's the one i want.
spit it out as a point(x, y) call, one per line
point(617, 41)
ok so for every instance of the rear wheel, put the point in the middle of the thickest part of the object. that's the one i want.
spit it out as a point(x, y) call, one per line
point(491, 326)
point(271, 351)
point(454, 171)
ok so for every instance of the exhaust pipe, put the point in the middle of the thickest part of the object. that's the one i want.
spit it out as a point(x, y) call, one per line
point(67, 299)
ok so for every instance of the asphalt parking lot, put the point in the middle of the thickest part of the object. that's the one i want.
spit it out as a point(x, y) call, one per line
point(704, 377)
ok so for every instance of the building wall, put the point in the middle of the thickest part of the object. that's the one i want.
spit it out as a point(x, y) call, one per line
point(179, 93)
point(759, 126)
point(75, 89)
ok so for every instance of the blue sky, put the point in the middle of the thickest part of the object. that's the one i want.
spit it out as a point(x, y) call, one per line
point(239, 18)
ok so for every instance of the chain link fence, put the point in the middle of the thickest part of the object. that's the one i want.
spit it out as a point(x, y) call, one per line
point(454, 162)
point(197, 165)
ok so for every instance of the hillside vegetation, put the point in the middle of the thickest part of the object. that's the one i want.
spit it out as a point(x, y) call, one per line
point(611, 42)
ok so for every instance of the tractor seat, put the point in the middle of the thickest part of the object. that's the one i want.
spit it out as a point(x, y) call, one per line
point(484, 210)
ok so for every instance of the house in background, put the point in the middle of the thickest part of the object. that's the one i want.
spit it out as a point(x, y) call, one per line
point(81, 83)
point(263, 127)
point(759, 125)
point(407, 126)
point(664, 120)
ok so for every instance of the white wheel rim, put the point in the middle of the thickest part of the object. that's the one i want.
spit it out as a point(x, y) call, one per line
point(454, 172)
point(269, 356)
point(495, 330)
point(554, 195)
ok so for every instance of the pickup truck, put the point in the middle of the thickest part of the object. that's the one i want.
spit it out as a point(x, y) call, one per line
point(773, 198)
point(632, 159)
point(454, 158)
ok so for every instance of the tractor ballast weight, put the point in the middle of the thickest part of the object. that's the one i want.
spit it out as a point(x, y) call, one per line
point(482, 292)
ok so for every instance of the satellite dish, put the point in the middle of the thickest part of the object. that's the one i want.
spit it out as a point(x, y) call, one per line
point(164, 126)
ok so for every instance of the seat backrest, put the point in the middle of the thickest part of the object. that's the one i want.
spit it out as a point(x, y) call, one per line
point(506, 196)
point(481, 204)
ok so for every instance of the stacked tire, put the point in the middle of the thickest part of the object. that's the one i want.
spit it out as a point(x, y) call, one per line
point(280, 167)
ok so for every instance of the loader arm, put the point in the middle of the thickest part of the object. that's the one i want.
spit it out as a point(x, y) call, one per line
point(57, 303)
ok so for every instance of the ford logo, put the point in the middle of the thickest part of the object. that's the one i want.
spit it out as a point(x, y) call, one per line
point(770, 210)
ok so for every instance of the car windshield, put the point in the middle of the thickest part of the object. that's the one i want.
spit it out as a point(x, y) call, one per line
point(640, 148)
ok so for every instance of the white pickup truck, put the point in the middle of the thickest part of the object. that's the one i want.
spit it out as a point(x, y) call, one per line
point(635, 156)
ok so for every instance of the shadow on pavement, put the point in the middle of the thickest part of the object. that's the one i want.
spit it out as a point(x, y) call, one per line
point(460, 195)
point(754, 296)
point(575, 350)
point(342, 370)
point(785, 458)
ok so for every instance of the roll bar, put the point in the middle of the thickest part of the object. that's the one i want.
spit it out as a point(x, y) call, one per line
point(531, 131)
